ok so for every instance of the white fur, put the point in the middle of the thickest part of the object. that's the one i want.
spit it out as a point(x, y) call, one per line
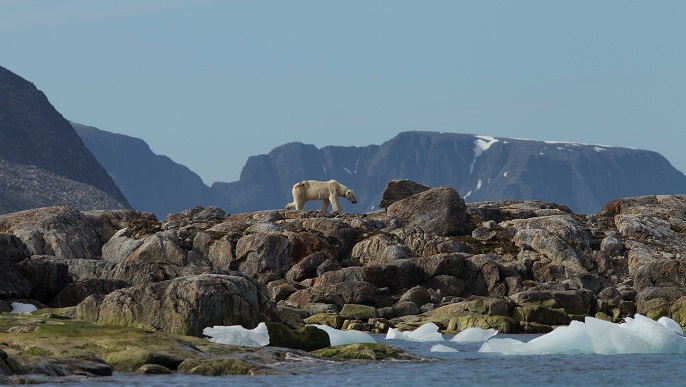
point(326, 191)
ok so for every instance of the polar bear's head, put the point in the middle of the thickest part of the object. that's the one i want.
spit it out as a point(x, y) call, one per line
point(350, 195)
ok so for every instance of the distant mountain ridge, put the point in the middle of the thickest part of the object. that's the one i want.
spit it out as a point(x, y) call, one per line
point(45, 161)
point(151, 182)
point(482, 168)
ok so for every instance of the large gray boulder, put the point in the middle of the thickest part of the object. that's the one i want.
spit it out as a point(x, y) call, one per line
point(439, 211)
point(184, 306)
point(262, 253)
point(64, 232)
point(399, 189)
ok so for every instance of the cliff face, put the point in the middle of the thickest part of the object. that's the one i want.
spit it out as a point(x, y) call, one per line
point(582, 177)
point(151, 182)
point(33, 133)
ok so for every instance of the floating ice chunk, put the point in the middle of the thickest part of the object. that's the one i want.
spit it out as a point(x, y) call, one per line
point(18, 307)
point(637, 335)
point(237, 335)
point(442, 348)
point(339, 337)
point(671, 325)
point(474, 335)
point(427, 332)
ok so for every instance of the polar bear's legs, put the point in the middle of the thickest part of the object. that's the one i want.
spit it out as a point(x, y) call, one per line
point(325, 205)
point(334, 203)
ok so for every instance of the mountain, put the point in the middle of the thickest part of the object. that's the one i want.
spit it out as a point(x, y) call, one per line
point(583, 177)
point(45, 161)
point(151, 182)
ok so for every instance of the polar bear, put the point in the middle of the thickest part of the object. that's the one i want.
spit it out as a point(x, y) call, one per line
point(326, 191)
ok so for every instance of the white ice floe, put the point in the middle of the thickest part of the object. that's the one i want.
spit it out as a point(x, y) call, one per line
point(339, 337)
point(474, 335)
point(427, 332)
point(442, 348)
point(637, 335)
point(237, 335)
point(18, 307)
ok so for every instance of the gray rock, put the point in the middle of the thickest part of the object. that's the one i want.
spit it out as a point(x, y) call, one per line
point(379, 249)
point(439, 211)
point(64, 232)
point(118, 248)
point(398, 189)
point(186, 305)
point(259, 253)
point(418, 295)
point(76, 292)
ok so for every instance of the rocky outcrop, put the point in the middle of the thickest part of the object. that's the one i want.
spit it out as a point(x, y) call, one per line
point(519, 266)
point(184, 305)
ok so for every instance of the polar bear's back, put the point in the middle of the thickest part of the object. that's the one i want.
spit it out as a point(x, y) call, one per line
point(315, 189)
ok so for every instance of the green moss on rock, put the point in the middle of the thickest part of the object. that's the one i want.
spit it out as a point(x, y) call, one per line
point(306, 338)
point(366, 351)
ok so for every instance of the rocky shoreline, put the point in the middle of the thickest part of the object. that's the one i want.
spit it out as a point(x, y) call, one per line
point(516, 266)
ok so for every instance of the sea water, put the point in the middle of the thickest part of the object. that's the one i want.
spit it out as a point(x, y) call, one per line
point(468, 367)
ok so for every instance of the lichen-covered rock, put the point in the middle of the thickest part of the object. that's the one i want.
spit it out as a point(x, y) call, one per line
point(307, 338)
point(366, 351)
point(186, 305)
point(62, 231)
point(76, 292)
point(358, 312)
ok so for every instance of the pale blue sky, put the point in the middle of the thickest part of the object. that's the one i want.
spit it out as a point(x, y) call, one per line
point(209, 83)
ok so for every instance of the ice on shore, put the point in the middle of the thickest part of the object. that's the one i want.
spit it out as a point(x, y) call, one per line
point(443, 348)
point(427, 332)
point(237, 335)
point(637, 335)
point(474, 335)
point(339, 337)
point(18, 307)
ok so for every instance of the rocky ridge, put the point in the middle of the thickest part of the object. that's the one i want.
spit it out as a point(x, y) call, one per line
point(517, 266)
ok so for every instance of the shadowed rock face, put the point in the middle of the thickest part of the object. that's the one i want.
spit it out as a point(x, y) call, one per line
point(521, 266)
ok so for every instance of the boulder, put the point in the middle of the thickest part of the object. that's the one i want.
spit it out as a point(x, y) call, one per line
point(418, 295)
point(379, 249)
point(119, 247)
point(12, 282)
point(47, 274)
point(307, 267)
point(260, 252)
point(307, 338)
point(64, 232)
point(575, 302)
point(76, 292)
point(358, 312)
point(439, 211)
point(185, 306)
point(399, 189)
point(12, 249)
